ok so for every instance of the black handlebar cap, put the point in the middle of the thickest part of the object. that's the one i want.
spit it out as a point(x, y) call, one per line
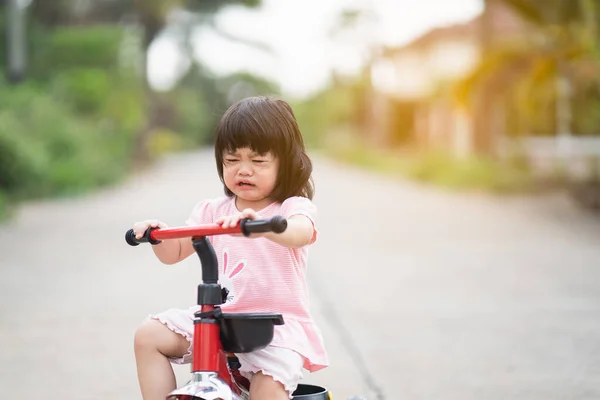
point(133, 241)
point(275, 224)
point(278, 224)
point(130, 238)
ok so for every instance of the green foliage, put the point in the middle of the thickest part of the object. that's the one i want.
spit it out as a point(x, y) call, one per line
point(86, 89)
point(22, 162)
point(123, 106)
point(337, 106)
point(72, 126)
point(80, 67)
point(3, 40)
point(434, 167)
point(474, 172)
point(5, 205)
point(200, 99)
point(46, 149)
point(162, 141)
point(192, 120)
point(543, 12)
point(74, 47)
point(523, 73)
point(586, 110)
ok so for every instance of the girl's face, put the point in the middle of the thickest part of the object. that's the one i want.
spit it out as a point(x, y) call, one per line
point(250, 176)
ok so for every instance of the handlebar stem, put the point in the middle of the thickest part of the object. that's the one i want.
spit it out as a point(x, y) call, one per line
point(208, 259)
point(209, 291)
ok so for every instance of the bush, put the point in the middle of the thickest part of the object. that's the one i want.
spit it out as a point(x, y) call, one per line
point(474, 172)
point(46, 149)
point(193, 122)
point(85, 89)
point(163, 141)
point(74, 47)
point(5, 206)
point(22, 163)
point(438, 168)
point(71, 126)
point(324, 112)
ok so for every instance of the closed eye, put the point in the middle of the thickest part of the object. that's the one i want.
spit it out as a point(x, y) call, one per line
point(259, 161)
point(231, 160)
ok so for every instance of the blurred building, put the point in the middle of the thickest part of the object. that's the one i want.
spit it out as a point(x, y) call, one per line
point(411, 96)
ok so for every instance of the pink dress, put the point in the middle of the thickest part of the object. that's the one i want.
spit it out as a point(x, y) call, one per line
point(262, 276)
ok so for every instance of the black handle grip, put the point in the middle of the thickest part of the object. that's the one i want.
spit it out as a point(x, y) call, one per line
point(277, 224)
point(130, 238)
point(133, 241)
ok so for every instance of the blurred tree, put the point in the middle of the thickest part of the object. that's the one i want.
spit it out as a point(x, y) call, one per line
point(79, 12)
point(483, 129)
point(153, 17)
point(544, 68)
point(352, 32)
point(72, 126)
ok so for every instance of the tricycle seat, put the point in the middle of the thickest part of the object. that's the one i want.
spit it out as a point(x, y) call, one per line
point(243, 333)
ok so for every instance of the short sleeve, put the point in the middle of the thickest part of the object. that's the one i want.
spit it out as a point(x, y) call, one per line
point(201, 214)
point(301, 206)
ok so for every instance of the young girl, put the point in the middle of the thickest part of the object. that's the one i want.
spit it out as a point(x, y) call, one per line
point(262, 163)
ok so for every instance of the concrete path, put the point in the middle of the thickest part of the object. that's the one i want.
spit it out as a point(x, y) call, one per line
point(420, 294)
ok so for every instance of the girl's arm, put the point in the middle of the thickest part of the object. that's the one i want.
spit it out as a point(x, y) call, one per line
point(171, 251)
point(299, 232)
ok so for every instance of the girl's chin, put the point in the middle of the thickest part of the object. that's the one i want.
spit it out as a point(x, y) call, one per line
point(255, 202)
point(246, 196)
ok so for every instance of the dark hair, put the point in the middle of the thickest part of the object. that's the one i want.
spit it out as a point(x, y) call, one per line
point(266, 124)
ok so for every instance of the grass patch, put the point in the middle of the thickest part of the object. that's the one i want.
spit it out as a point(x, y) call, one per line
point(6, 207)
point(472, 173)
point(438, 168)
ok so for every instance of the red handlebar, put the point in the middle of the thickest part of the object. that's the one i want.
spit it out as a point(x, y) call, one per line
point(193, 231)
point(277, 224)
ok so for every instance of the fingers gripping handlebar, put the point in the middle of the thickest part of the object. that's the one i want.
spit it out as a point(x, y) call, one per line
point(147, 238)
point(276, 224)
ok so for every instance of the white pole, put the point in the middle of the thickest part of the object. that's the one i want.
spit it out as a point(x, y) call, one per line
point(563, 116)
point(15, 29)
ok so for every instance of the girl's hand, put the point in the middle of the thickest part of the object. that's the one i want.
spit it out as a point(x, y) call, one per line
point(139, 228)
point(233, 220)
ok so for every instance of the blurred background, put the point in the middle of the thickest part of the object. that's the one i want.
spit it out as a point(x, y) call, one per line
point(496, 95)
point(456, 146)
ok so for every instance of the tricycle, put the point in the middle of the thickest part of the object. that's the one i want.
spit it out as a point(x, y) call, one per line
point(218, 335)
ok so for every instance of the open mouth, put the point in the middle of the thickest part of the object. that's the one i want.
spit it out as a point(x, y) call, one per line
point(245, 184)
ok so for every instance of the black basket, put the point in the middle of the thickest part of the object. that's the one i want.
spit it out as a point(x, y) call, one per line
point(243, 333)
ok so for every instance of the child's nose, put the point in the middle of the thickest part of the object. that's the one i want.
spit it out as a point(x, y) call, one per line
point(245, 169)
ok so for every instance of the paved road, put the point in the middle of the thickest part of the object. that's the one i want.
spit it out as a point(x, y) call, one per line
point(420, 294)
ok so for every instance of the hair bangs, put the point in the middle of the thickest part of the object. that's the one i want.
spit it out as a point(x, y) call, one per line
point(242, 130)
